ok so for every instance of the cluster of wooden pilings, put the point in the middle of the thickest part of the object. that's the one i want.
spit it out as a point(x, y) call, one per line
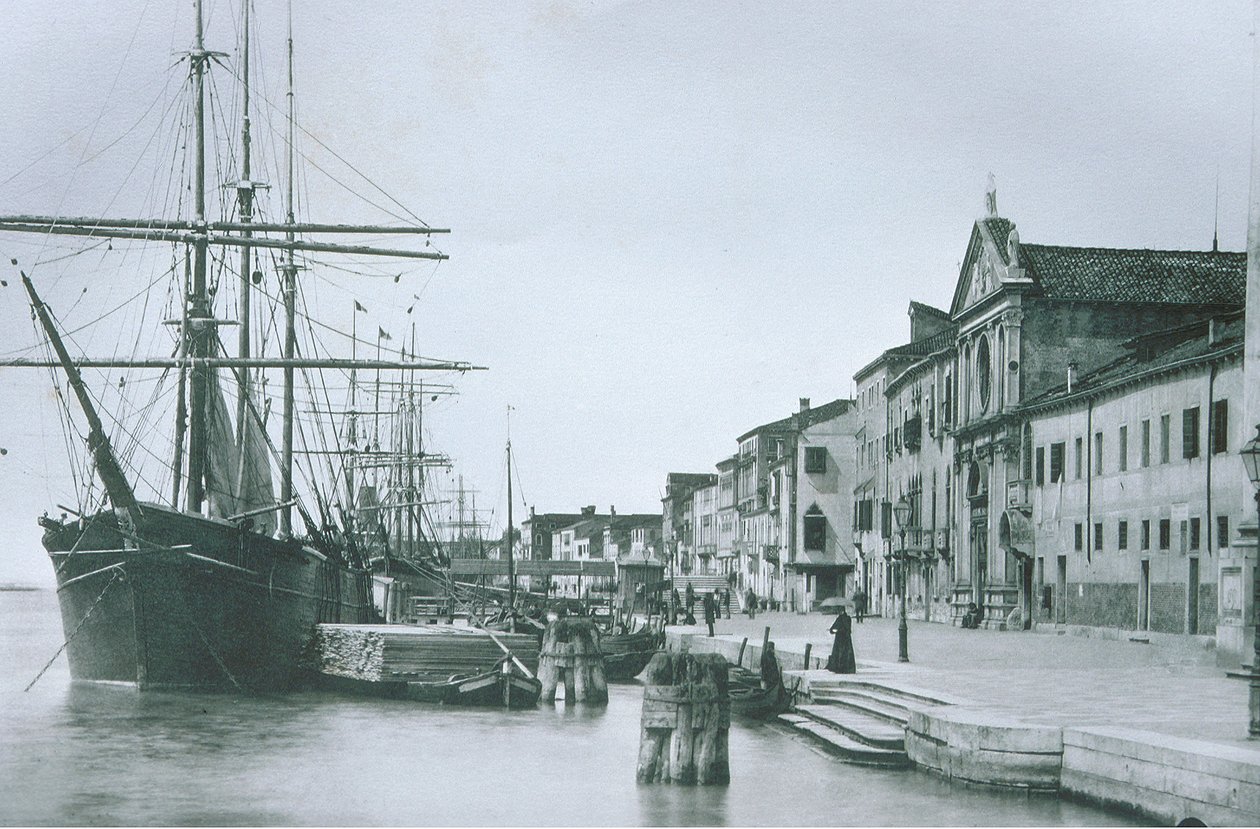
point(686, 720)
point(570, 654)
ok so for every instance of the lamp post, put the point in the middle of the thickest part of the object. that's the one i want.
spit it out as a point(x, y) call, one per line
point(901, 511)
point(1251, 461)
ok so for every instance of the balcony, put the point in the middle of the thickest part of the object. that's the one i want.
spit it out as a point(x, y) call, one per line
point(1019, 495)
point(912, 435)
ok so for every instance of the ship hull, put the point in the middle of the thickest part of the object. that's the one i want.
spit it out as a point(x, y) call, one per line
point(185, 601)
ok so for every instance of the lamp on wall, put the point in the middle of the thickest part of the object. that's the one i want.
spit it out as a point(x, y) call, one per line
point(1251, 462)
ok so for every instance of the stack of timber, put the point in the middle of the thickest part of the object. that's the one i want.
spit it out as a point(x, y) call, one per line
point(446, 664)
point(627, 654)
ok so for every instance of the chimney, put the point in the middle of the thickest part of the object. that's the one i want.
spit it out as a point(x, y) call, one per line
point(587, 512)
point(1071, 376)
point(1214, 333)
point(612, 510)
point(804, 405)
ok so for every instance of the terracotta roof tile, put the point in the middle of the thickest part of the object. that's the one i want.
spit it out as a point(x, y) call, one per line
point(1154, 276)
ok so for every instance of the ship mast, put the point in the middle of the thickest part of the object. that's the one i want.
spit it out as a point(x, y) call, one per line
point(198, 329)
point(290, 308)
point(245, 200)
point(510, 546)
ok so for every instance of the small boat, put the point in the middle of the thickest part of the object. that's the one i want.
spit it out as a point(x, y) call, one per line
point(503, 685)
point(627, 654)
point(760, 703)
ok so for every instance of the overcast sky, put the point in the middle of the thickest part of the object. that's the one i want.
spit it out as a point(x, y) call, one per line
point(669, 220)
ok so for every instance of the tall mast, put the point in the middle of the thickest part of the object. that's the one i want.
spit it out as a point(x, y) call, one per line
point(510, 545)
point(245, 199)
point(290, 309)
point(198, 329)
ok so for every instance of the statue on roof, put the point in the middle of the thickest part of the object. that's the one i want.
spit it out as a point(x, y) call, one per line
point(990, 197)
point(1012, 247)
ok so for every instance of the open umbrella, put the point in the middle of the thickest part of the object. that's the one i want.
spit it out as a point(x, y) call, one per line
point(835, 602)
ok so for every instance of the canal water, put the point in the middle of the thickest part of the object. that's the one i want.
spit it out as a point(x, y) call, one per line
point(78, 754)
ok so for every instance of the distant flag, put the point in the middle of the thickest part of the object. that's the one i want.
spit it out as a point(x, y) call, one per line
point(381, 334)
point(358, 306)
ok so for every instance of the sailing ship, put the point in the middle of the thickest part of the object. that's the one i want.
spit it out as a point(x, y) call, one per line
point(216, 586)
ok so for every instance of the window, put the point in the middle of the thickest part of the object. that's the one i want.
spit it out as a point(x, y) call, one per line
point(982, 373)
point(1098, 455)
point(1146, 535)
point(1041, 465)
point(1165, 533)
point(1146, 443)
point(815, 535)
point(1124, 449)
point(1122, 535)
point(1098, 536)
point(1190, 432)
point(1080, 537)
point(1056, 462)
point(1163, 438)
point(1222, 531)
point(815, 459)
point(1194, 533)
point(1026, 454)
point(885, 519)
point(1220, 426)
point(1079, 455)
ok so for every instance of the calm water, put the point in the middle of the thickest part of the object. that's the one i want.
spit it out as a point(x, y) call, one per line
point(77, 754)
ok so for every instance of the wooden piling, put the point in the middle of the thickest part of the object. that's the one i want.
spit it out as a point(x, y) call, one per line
point(765, 640)
point(740, 659)
point(571, 654)
point(684, 736)
point(808, 647)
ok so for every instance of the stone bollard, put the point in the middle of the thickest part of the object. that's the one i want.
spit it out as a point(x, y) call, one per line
point(686, 720)
point(570, 654)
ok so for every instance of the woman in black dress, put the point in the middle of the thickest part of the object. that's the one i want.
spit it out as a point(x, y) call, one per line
point(841, 660)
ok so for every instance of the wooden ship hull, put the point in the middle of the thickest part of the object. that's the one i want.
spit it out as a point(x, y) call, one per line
point(196, 603)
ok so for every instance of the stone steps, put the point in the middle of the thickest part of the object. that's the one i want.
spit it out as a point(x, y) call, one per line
point(843, 746)
point(868, 730)
point(865, 703)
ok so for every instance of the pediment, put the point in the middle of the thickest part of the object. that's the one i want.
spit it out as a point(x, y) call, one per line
point(990, 264)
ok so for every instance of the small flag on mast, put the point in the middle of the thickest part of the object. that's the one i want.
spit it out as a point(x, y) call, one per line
point(382, 334)
point(358, 306)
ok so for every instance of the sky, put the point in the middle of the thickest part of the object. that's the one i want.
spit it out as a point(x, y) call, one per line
point(669, 221)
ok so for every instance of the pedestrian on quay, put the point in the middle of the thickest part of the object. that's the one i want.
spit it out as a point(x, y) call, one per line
point(859, 605)
point(691, 602)
point(710, 611)
point(841, 660)
point(750, 601)
point(726, 600)
point(674, 604)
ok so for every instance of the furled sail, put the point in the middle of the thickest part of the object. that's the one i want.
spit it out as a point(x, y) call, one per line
point(220, 452)
point(254, 490)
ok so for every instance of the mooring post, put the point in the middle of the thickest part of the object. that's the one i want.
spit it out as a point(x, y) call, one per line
point(808, 647)
point(570, 654)
point(740, 659)
point(765, 640)
point(686, 720)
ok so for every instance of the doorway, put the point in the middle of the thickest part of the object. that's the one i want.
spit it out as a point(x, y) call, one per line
point(1192, 598)
point(1144, 596)
point(1060, 587)
point(1026, 587)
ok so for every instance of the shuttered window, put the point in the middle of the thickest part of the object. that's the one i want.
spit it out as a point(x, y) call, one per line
point(1057, 451)
point(1190, 432)
point(1220, 426)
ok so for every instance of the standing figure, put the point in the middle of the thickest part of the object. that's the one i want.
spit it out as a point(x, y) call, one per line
point(675, 604)
point(750, 601)
point(691, 602)
point(726, 600)
point(770, 674)
point(859, 604)
point(710, 611)
point(841, 660)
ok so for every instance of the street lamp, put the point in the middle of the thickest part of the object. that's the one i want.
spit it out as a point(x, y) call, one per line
point(901, 511)
point(1251, 462)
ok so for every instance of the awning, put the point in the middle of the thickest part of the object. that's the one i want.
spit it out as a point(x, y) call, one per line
point(817, 561)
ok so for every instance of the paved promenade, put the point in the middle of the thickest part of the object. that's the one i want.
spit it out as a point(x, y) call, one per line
point(1045, 678)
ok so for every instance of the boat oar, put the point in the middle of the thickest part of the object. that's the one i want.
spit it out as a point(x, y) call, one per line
point(511, 655)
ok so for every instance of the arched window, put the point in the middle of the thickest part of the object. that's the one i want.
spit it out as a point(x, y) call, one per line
point(815, 534)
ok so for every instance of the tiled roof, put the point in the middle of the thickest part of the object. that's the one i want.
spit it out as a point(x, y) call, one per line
point(1154, 351)
point(815, 414)
point(922, 308)
point(999, 229)
point(1154, 276)
point(928, 345)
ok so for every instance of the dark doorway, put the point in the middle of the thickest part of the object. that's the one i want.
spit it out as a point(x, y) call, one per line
point(1026, 589)
point(1144, 597)
point(1192, 598)
point(1060, 605)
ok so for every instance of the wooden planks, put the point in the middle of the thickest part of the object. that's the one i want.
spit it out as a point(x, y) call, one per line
point(392, 652)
